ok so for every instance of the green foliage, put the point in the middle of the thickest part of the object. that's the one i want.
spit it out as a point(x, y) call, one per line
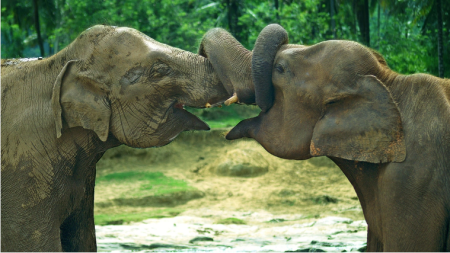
point(231, 220)
point(150, 183)
point(405, 33)
point(227, 116)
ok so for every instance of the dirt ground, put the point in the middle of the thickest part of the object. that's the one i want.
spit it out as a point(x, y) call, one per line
point(233, 176)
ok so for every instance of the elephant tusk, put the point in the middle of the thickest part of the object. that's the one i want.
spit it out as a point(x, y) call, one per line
point(208, 105)
point(232, 100)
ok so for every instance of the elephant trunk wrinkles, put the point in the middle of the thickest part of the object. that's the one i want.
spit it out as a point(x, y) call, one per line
point(202, 85)
point(271, 38)
point(232, 63)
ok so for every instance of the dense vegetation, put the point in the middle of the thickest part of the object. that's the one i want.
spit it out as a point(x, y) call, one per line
point(406, 32)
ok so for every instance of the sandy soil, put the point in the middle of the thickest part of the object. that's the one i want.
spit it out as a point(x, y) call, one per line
point(313, 188)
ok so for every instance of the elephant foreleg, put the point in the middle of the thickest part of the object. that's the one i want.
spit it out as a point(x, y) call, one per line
point(374, 244)
point(78, 229)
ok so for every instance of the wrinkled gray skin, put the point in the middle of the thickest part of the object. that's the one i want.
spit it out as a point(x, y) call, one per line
point(111, 86)
point(389, 133)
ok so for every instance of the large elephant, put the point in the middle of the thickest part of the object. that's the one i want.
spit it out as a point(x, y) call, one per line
point(111, 86)
point(389, 133)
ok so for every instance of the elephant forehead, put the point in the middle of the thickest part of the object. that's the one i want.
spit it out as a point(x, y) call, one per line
point(124, 39)
point(157, 49)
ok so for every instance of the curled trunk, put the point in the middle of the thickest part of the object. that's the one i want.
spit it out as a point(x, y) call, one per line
point(271, 38)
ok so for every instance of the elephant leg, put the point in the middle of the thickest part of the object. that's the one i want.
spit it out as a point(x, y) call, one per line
point(424, 228)
point(447, 248)
point(22, 231)
point(78, 229)
point(374, 243)
point(27, 224)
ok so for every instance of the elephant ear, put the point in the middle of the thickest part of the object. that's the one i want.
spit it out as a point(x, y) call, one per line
point(81, 100)
point(361, 124)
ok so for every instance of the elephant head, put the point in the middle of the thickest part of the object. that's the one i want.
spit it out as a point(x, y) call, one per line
point(321, 100)
point(125, 85)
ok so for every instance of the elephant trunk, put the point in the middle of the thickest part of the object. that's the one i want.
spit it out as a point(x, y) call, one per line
point(269, 41)
point(247, 128)
point(231, 62)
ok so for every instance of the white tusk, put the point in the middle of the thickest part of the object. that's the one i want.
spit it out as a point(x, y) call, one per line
point(231, 100)
point(208, 105)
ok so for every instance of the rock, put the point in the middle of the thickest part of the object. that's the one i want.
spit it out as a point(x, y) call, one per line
point(307, 250)
point(324, 200)
point(363, 249)
point(241, 163)
point(162, 245)
point(132, 246)
point(277, 220)
point(328, 244)
point(201, 239)
point(115, 222)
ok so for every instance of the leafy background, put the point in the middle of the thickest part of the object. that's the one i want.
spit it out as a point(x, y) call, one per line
point(404, 31)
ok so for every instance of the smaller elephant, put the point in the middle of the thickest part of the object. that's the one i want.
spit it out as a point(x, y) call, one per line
point(111, 86)
point(388, 133)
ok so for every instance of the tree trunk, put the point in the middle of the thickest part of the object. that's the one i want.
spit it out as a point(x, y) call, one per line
point(233, 17)
point(37, 26)
point(333, 22)
point(277, 10)
point(362, 14)
point(378, 20)
point(440, 40)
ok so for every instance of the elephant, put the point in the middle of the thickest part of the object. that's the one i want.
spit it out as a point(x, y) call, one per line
point(110, 86)
point(389, 133)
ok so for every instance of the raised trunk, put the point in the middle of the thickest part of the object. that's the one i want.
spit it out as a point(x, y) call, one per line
point(231, 62)
point(203, 86)
point(271, 38)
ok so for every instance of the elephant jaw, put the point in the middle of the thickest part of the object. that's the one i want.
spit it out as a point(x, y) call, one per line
point(177, 121)
point(286, 146)
point(188, 120)
point(245, 129)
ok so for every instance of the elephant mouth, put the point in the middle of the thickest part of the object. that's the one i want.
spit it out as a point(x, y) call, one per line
point(179, 105)
point(187, 120)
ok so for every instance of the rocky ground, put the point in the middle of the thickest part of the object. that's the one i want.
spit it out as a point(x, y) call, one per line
point(275, 204)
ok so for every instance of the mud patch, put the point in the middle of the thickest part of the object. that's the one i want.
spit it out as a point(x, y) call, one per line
point(240, 163)
point(314, 187)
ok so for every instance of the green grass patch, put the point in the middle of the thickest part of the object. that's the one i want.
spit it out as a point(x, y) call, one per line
point(144, 183)
point(227, 116)
point(231, 221)
point(118, 219)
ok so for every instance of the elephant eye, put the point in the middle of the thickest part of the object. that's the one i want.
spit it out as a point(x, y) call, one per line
point(164, 70)
point(132, 76)
point(333, 101)
point(279, 68)
point(161, 69)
